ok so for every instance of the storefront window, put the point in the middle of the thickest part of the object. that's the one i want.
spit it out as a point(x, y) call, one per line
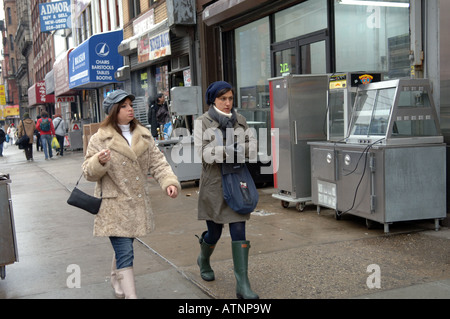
point(285, 62)
point(304, 18)
point(162, 79)
point(253, 64)
point(252, 72)
point(141, 82)
point(313, 57)
point(372, 38)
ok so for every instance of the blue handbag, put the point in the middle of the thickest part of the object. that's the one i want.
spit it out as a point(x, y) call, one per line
point(239, 189)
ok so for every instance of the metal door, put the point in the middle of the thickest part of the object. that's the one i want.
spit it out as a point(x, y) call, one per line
point(279, 88)
point(355, 192)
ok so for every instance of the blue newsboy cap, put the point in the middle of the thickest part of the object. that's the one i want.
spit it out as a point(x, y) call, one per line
point(213, 89)
point(115, 97)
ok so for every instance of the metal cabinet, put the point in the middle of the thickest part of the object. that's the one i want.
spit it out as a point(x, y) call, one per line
point(182, 157)
point(384, 184)
point(391, 166)
point(298, 110)
point(8, 242)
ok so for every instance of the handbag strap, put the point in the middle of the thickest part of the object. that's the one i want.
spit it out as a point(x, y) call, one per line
point(58, 123)
point(79, 180)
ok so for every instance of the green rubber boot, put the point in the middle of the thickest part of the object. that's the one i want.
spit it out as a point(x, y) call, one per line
point(206, 251)
point(240, 251)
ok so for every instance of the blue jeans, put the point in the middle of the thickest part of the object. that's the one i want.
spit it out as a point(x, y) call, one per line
point(123, 247)
point(46, 142)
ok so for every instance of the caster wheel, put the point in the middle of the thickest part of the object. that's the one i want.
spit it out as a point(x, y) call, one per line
point(300, 206)
point(337, 216)
point(284, 204)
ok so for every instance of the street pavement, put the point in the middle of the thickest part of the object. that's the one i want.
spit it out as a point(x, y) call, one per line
point(293, 255)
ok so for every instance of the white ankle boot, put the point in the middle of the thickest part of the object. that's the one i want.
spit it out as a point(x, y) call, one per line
point(126, 280)
point(118, 291)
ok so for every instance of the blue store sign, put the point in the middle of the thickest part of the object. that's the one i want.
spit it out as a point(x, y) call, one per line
point(55, 15)
point(93, 63)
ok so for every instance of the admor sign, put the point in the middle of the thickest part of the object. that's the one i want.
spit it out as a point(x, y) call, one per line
point(55, 15)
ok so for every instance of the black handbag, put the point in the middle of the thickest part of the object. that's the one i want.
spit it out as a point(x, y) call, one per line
point(23, 140)
point(84, 201)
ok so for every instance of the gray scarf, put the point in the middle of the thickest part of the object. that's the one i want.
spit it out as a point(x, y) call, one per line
point(224, 122)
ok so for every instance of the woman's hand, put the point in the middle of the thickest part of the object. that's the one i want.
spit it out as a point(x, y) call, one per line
point(104, 156)
point(172, 191)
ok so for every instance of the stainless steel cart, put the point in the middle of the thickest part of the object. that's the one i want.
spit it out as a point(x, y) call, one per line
point(298, 111)
point(179, 147)
point(391, 166)
point(8, 242)
point(182, 157)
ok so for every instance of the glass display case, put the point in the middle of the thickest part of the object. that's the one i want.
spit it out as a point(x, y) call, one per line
point(341, 97)
point(395, 112)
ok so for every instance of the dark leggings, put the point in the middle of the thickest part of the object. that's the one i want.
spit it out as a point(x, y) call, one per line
point(237, 232)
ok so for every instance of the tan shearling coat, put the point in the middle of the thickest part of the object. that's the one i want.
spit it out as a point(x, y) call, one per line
point(122, 182)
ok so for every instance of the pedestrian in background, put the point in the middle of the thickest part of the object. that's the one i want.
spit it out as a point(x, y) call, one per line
point(38, 136)
point(212, 207)
point(26, 127)
point(46, 130)
point(119, 157)
point(2, 140)
point(158, 114)
point(12, 132)
point(60, 131)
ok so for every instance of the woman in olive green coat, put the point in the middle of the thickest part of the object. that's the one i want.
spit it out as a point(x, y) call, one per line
point(211, 204)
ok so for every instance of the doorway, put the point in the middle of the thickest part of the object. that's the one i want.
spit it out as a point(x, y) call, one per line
point(309, 54)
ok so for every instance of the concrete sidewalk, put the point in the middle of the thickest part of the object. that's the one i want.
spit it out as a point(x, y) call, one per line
point(293, 255)
point(55, 240)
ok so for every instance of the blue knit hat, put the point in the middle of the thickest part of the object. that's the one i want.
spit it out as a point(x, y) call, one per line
point(213, 89)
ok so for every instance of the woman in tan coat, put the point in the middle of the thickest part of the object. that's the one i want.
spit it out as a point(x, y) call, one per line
point(26, 127)
point(118, 158)
point(211, 205)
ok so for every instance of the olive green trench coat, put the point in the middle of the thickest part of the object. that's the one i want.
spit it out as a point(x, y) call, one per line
point(211, 204)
